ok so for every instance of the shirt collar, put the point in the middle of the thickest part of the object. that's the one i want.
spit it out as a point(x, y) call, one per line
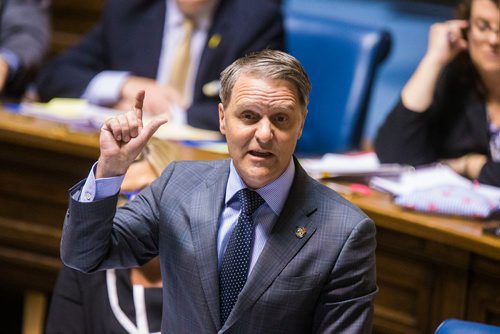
point(275, 193)
point(175, 17)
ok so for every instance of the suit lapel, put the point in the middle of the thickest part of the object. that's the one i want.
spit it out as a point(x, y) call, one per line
point(283, 244)
point(206, 207)
point(212, 53)
point(149, 21)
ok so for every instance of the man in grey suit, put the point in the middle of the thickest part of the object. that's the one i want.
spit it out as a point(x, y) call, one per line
point(305, 261)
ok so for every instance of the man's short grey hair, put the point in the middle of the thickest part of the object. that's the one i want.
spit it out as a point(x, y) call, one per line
point(267, 64)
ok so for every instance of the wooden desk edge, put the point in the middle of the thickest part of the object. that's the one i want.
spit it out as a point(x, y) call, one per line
point(457, 232)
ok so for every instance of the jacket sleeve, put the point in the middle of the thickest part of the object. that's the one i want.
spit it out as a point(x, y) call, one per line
point(25, 33)
point(96, 235)
point(490, 173)
point(25, 30)
point(404, 138)
point(346, 305)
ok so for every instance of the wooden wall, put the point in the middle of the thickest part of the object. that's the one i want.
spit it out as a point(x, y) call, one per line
point(70, 20)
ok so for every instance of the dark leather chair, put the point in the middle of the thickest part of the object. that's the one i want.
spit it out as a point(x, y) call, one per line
point(341, 59)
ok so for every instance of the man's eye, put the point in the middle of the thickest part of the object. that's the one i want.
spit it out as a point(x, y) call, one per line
point(280, 119)
point(248, 116)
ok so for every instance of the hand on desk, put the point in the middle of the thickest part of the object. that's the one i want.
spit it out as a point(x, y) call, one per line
point(160, 98)
point(468, 165)
point(122, 138)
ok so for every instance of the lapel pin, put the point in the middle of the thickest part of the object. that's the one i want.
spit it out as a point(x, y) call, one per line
point(214, 41)
point(300, 232)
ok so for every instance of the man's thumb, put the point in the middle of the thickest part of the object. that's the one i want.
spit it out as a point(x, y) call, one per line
point(152, 126)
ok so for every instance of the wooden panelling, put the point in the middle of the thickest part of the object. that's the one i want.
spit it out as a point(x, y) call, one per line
point(484, 291)
point(420, 283)
point(71, 19)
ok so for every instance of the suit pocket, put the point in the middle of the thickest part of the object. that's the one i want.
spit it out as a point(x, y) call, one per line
point(296, 283)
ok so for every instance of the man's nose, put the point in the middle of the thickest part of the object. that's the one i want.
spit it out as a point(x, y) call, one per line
point(264, 132)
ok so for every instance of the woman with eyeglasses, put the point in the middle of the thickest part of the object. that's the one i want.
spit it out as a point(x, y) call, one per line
point(449, 110)
point(121, 300)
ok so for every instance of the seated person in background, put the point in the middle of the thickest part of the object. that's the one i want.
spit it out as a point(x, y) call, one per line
point(24, 39)
point(450, 108)
point(137, 45)
point(106, 302)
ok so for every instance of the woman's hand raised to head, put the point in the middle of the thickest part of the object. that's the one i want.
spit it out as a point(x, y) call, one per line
point(446, 40)
point(122, 138)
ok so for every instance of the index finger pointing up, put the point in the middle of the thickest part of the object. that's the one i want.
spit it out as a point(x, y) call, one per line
point(139, 101)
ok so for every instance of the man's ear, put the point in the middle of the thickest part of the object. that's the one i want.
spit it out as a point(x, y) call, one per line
point(222, 124)
point(302, 125)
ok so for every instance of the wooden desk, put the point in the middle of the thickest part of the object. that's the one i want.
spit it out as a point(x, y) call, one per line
point(429, 267)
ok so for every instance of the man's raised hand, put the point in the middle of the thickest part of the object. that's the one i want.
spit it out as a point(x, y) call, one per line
point(122, 138)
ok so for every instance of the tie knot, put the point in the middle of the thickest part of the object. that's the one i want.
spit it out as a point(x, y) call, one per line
point(187, 26)
point(249, 201)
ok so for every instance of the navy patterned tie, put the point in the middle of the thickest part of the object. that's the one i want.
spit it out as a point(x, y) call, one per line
point(236, 260)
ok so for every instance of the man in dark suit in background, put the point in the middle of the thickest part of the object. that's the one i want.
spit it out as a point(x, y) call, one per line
point(133, 47)
point(250, 244)
point(24, 39)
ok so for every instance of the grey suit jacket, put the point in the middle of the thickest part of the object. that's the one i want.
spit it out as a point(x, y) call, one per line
point(323, 282)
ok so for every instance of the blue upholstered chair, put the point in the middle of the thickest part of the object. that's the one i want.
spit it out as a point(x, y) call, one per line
point(341, 59)
point(455, 326)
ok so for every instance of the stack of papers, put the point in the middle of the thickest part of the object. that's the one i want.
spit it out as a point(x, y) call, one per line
point(428, 178)
point(180, 132)
point(438, 189)
point(350, 165)
point(74, 112)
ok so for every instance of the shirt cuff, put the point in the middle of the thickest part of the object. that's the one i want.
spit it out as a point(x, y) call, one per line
point(105, 88)
point(178, 115)
point(96, 189)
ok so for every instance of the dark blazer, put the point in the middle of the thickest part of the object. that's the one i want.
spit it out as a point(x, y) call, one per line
point(129, 38)
point(80, 304)
point(323, 282)
point(454, 125)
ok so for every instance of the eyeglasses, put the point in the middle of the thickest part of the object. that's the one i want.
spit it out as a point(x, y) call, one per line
point(482, 28)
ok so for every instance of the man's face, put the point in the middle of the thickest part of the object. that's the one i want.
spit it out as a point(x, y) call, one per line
point(262, 123)
point(192, 8)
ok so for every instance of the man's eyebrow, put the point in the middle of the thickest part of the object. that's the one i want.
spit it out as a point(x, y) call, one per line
point(286, 106)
